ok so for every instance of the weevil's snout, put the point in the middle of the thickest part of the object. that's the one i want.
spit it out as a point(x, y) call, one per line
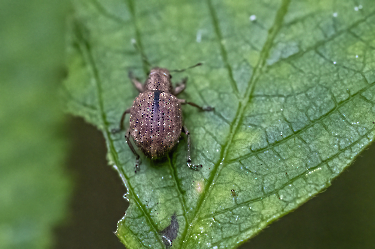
point(159, 79)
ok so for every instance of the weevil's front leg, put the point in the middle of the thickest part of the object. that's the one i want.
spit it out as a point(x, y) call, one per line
point(136, 82)
point(202, 108)
point(137, 162)
point(121, 126)
point(188, 158)
point(180, 87)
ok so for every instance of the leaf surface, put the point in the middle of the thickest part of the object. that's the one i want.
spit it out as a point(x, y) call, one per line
point(292, 83)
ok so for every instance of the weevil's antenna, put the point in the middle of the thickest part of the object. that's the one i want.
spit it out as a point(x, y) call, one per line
point(144, 57)
point(181, 70)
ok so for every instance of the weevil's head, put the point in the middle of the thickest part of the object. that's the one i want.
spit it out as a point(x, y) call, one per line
point(159, 79)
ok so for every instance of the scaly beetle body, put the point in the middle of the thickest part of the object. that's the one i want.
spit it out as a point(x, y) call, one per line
point(156, 117)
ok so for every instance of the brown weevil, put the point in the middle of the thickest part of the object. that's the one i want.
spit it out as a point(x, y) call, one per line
point(155, 116)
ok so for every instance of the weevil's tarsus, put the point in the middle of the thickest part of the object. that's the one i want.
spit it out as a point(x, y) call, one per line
point(182, 70)
point(188, 157)
point(121, 126)
point(137, 84)
point(180, 87)
point(137, 160)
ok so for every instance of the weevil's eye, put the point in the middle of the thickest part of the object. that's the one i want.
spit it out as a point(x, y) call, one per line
point(170, 76)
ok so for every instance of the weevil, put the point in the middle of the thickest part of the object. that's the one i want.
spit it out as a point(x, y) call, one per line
point(155, 122)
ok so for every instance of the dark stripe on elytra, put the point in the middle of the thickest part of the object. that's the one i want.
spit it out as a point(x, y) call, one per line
point(155, 109)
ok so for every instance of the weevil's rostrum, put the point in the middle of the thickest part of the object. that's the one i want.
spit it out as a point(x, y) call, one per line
point(159, 80)
point(156, 116)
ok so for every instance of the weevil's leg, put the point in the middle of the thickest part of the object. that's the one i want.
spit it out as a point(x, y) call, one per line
point(188, 158)
point(136, 82)
point(137, 162)
point(202, 108)
point(121, 126)
point(180, 87)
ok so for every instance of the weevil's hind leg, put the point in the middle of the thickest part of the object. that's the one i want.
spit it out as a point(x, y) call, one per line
point(188, 157)
point(137, 162)
point(121, 126)
point(136, 82)
point(180, 87)
point(202, 108)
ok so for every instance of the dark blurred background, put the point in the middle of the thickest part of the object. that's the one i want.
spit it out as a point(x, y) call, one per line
point(341, 217)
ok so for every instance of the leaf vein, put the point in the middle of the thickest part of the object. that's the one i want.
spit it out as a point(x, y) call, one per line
point(106, 13)
point(88, 54)
point(336, 108)
point(236, 122)
point(322, 42)
point(223, 51)
point(292, 180)
point(138, 43)
point(180, 193)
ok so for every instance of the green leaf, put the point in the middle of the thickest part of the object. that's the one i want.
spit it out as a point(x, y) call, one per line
point(292, 83)
point(34, 188)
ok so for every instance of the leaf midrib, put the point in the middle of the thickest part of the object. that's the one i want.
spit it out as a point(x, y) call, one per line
point(337, 105)
point(264, 54)
point(242, 105)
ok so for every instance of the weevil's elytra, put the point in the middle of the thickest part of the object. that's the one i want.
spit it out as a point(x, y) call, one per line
point(155, 122)
point(156, 116)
